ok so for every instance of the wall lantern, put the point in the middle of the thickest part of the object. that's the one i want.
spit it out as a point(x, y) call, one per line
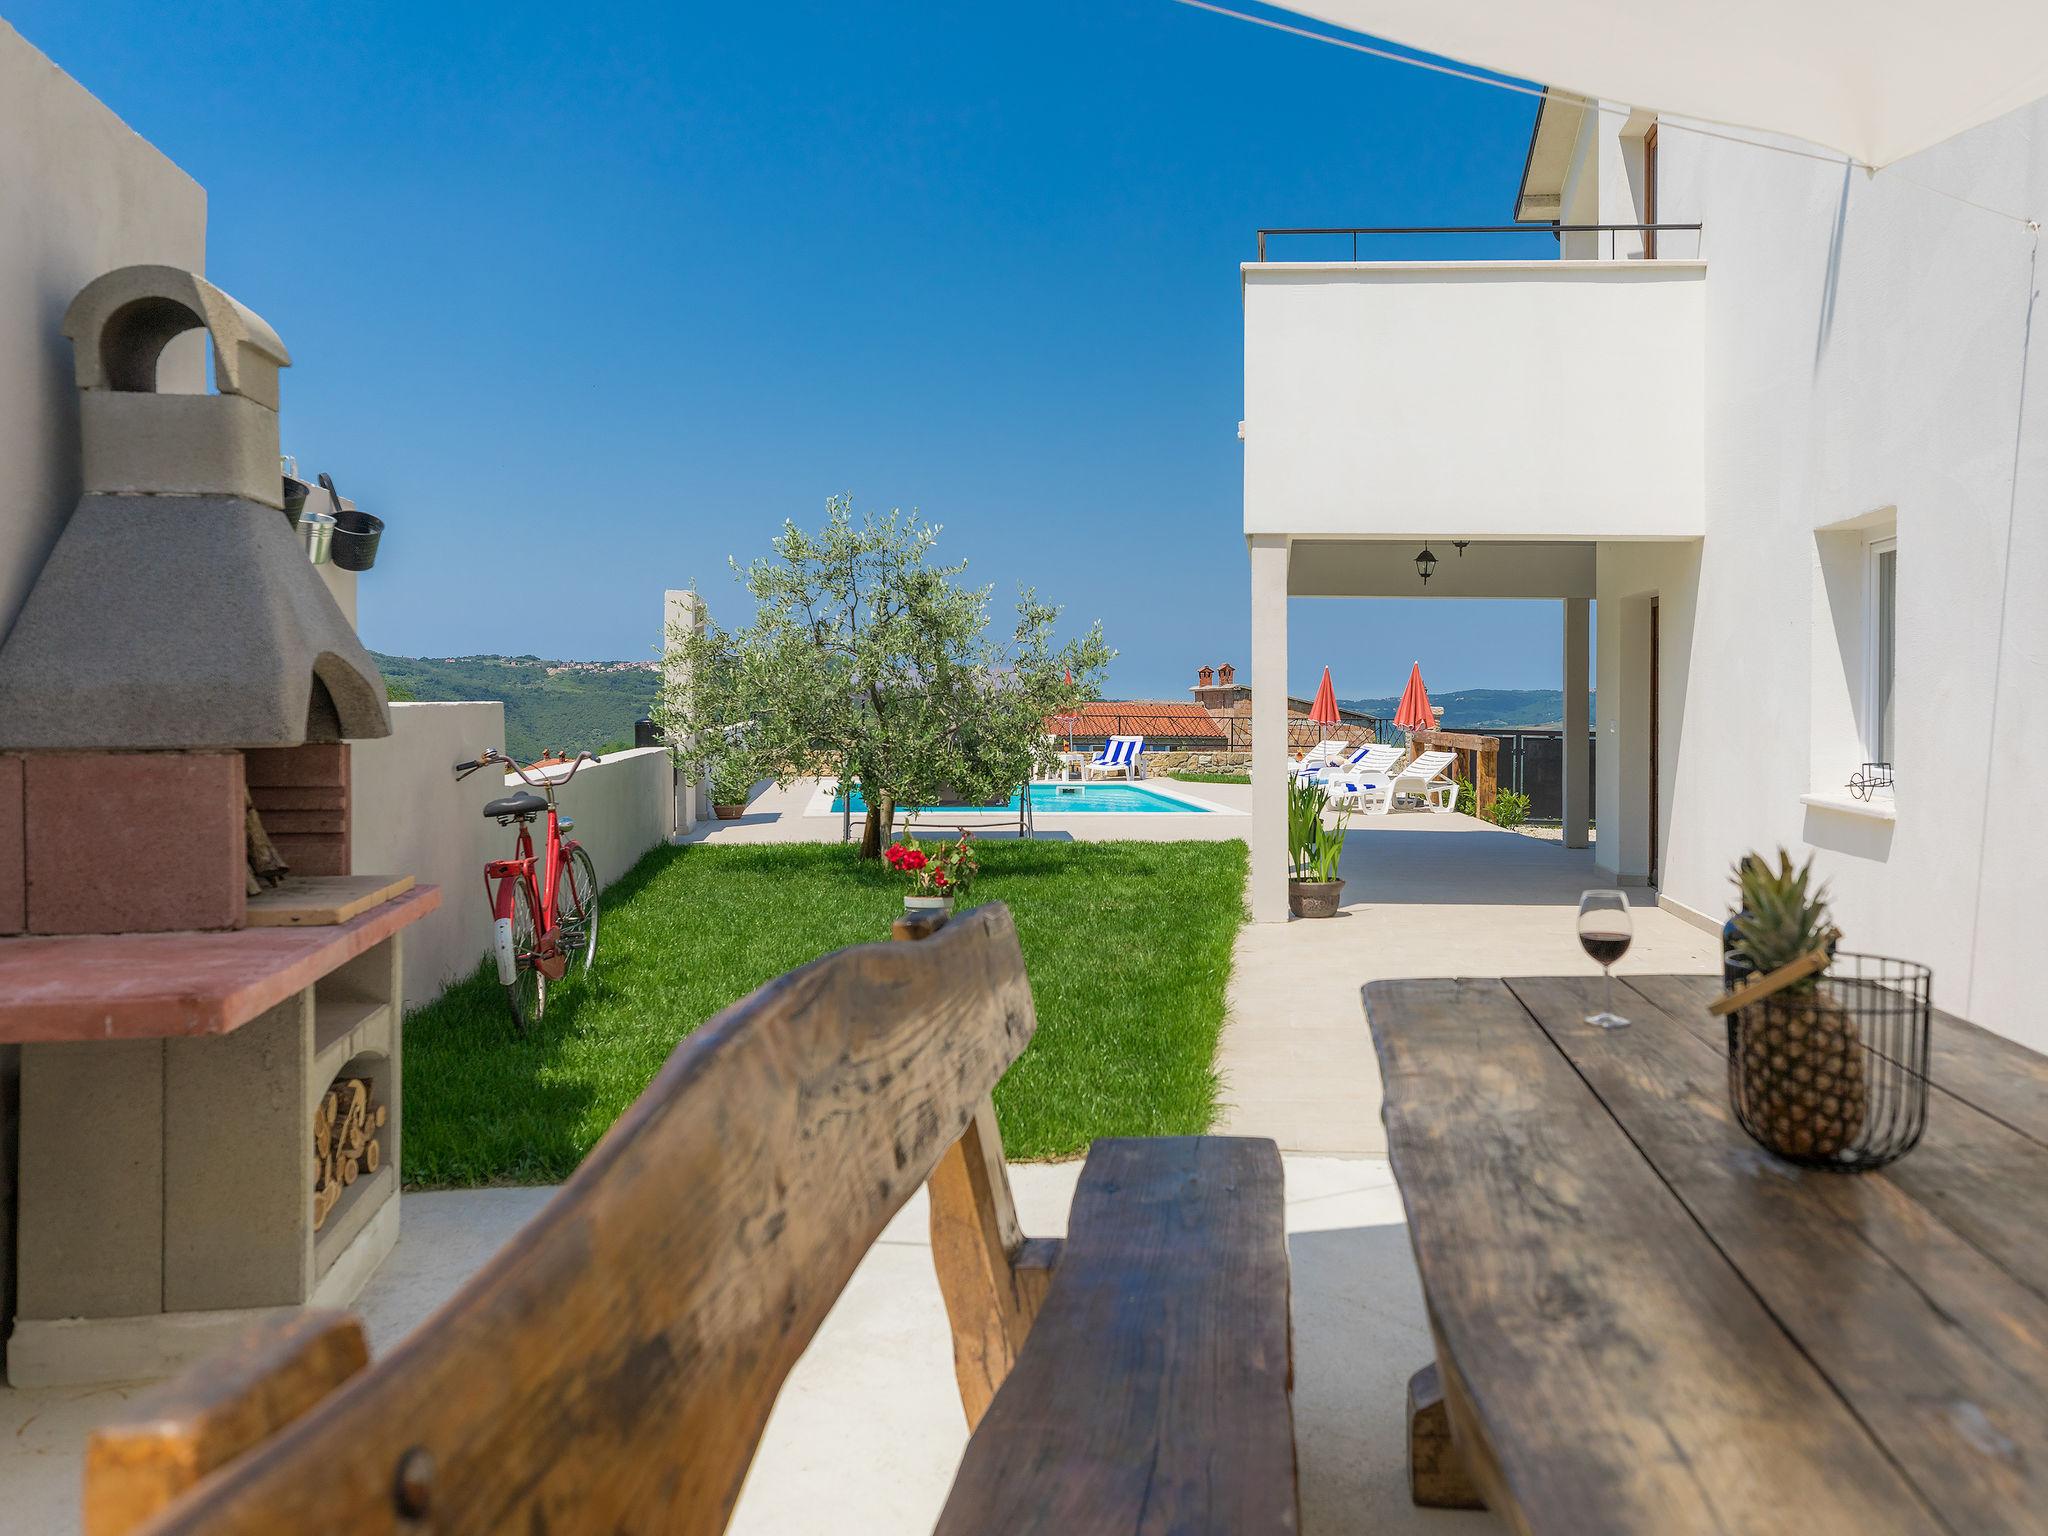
point(1425, 564)
point(1459, 546)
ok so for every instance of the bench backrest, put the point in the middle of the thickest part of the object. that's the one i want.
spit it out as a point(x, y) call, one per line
point(613, 1368)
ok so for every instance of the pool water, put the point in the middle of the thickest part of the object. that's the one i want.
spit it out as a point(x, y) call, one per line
point(1067, 800)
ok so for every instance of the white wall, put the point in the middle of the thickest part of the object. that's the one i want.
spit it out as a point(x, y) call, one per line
point(411, 816)
point(80, 194)
point(622, 807)
point(1475, 400)
point(1868, 344)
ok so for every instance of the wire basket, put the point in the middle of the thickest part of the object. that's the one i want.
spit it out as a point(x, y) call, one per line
point(1835, 1075)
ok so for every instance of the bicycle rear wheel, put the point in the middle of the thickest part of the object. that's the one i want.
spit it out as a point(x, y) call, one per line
point(527, 995)
point(578, 901)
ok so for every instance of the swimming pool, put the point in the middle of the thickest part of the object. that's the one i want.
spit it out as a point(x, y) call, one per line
point(1071, 800)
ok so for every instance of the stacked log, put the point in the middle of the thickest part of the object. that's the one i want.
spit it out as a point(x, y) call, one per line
point(346, 1144)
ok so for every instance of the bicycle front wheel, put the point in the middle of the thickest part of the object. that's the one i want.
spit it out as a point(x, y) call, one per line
point(577, 902)
point(527, 994)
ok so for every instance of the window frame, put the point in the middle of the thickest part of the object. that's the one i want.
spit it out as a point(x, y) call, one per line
point(1874, 628)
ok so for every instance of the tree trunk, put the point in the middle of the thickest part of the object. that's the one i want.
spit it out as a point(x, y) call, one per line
point(880, 823)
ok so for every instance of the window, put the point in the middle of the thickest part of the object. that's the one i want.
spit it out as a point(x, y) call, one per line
point(1881, 646)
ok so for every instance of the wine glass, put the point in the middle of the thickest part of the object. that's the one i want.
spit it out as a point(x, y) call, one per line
point(1604, 930)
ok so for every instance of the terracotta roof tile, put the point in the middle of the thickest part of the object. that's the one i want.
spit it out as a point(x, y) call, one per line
point(1138, 717)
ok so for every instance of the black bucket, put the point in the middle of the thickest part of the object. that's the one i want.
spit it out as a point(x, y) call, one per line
point(355, 539)
point(295, 493)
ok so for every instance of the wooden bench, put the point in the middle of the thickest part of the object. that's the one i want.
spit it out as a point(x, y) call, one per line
point(613, 1367)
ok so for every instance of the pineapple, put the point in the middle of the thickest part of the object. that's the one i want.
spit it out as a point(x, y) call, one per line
point(1798, 1058)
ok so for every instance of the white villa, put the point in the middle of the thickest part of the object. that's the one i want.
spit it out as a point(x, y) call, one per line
point(1790, 459)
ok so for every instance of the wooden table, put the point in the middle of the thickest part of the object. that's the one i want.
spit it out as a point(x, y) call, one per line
point(1646, 1323)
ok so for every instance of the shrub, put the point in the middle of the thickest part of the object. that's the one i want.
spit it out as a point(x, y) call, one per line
point(1510, 808)
point(1468, 798)
point(732, 779)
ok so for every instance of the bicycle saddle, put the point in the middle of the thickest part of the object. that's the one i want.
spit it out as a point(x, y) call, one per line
point(525, 803)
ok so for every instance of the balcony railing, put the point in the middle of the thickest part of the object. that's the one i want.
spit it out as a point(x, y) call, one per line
point(1652, 241)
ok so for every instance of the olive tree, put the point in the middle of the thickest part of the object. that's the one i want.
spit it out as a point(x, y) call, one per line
point(868, 659)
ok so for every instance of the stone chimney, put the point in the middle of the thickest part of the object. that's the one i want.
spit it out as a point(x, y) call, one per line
point(1218, 691)
point(178, 610)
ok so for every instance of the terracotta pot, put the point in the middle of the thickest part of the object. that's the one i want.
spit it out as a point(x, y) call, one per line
point(728, 812)
point(1313, 898)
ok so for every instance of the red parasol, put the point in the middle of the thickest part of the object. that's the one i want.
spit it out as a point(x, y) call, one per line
point(1324, 711)
point(1414, 713)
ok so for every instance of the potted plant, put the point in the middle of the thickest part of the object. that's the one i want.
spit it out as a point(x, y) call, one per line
point(1313, 849)
point(938, 878)
point(732, 782)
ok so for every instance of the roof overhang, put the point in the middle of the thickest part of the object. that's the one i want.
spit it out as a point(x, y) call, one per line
point(1551, 144)
point(1875, 79)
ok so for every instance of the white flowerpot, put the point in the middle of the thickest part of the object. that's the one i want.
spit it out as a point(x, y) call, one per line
point(926, 906)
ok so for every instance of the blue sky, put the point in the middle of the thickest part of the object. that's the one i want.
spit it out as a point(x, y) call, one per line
point(583, 299)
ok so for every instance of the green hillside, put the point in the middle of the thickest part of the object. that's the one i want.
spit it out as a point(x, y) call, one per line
point(1469, 709)
point(575, 705)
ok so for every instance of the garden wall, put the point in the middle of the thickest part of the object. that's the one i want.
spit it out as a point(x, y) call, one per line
point(84, 193)
point(622, 807)
point(1158, 763)
point(411, 816)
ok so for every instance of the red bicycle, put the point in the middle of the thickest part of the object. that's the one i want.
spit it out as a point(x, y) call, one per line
point(544, 907)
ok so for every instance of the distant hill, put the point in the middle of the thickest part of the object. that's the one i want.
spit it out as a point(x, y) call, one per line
point(578, 705)
point(1470, 709)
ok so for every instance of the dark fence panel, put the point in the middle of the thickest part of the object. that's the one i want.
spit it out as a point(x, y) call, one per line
point(1533, 763)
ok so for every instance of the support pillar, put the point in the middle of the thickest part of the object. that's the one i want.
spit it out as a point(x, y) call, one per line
point(1578, 795)
point(683, 613)
point(1269, 727)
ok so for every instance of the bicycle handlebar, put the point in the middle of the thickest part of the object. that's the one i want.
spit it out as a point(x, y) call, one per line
point(491, 755)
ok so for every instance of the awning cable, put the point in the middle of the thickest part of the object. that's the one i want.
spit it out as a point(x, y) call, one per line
point(1683, 125)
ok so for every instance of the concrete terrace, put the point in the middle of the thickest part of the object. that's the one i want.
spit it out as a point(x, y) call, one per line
point(1425, 895)
point(868, 1430)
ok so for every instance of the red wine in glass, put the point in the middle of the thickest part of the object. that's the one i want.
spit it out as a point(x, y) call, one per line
point(1605, 948)
point(1604, 932)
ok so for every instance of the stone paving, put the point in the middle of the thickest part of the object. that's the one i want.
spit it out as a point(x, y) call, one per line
point(1424, 895)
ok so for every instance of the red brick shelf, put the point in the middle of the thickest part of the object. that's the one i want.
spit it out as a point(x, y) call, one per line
point(154, 986)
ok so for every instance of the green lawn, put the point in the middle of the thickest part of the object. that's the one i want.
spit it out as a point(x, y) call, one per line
point(1194, 777)
point(1128, 946)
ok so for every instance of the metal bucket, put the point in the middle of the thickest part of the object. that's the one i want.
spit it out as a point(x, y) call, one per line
point(317, 530)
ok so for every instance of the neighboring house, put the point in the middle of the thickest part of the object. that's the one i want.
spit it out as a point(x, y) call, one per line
point(1219, 719)
point(1799, 457)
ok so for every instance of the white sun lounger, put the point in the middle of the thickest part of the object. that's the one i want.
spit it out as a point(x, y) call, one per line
point(1319, 756)
point(1429, 777)
point(1371, 761)
point(1117, 759)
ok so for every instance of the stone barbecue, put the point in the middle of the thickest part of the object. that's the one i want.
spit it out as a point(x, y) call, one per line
point(205, 994)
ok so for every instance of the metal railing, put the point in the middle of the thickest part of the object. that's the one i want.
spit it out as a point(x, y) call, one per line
point(1370, 231)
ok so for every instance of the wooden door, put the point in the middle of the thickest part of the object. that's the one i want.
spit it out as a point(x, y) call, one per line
point(1655, 670)
point(1650, 191)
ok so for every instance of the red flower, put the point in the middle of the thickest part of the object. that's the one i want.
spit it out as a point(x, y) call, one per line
point(939, 879)
point(913, 860)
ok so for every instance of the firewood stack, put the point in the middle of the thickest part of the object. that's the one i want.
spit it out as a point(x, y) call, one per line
point(345, 1141)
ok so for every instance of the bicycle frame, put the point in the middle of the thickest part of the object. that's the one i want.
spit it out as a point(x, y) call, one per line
point(541, 876)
